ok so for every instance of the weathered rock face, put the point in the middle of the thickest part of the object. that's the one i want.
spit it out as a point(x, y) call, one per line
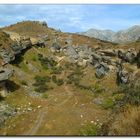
point(128, 56)
point(96, 59)
point(7, 55)
point(25, 42)
point(121, 54)
point(55, 47)
point(5, 74)
point(101, 70)
point(84, 51)
point(122, 75)
point(108, 52)
point(16, 47)
point(106, 59)
point(71, 52)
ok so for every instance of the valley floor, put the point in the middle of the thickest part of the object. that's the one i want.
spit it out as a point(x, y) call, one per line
point(63, 113)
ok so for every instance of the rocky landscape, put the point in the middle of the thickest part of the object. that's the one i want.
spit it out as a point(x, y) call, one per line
point(56, 83)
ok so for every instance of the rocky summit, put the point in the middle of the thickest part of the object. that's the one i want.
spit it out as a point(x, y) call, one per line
point(56, 83)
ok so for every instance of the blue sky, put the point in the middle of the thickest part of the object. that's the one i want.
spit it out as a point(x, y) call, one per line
point(74, 18)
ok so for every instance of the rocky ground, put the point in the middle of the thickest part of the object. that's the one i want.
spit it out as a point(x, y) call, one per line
point(55, 83)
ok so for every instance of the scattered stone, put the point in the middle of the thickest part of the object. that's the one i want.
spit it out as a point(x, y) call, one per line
point(32, 68)
point(39, 106)
point(98, 101)
point(29, 109)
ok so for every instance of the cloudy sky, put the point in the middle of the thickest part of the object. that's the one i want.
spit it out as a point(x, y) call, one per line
point(74, 18)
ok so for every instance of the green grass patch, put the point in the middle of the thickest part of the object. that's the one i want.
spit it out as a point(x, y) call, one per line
point(89, 130)
point(108, 103)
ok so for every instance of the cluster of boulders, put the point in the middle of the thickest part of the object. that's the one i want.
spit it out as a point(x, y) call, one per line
point(127, 56)
point(104, 60)
point(7, 55)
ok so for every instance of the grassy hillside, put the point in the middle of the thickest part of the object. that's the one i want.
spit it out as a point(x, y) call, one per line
point(54, 97)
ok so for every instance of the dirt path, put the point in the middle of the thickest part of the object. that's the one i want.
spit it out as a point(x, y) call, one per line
point(43, 112)
point(37, 123)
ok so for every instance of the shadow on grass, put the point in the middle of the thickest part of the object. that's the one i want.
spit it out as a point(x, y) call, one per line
point(12, 86)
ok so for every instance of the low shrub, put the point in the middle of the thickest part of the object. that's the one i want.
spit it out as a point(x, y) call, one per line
point(89, 130)
point(24, 83)
point(109, 103)
point(60, 82)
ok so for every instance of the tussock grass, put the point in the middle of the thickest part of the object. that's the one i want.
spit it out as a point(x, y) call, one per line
point(127, 123)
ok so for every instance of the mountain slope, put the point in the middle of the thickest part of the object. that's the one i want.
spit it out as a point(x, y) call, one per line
point(123, 36)
point(100, 34)
point(35, 29)
point(128, 35)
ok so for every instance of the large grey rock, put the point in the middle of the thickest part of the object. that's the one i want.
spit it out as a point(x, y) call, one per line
point(122, 75)
point(109, 52)
point(25, 42)
point(21, 44)
point(7, 55)
point(71, 52)
point(121, 54)
point(101, 70)
point(16, 48)
point(130, 56)
point(55, 46)
point(96, 59)
point(106, 59)
point(5, 74)
point(84, 51)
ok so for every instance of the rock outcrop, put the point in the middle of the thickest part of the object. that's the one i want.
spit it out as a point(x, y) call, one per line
point(101, 70)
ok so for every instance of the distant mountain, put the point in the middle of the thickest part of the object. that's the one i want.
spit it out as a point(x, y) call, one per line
point(100, 34)
point(123, 36)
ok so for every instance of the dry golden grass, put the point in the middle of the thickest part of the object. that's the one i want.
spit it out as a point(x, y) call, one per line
point(127, 123)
